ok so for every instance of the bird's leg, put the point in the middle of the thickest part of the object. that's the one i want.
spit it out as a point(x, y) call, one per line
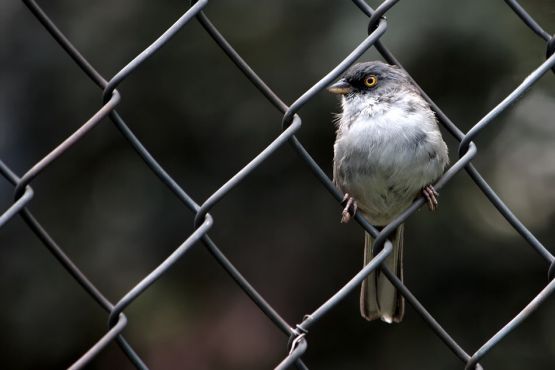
point(431, 195)
point(350, 208)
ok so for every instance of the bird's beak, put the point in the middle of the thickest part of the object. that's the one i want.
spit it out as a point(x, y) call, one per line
point(341, 87)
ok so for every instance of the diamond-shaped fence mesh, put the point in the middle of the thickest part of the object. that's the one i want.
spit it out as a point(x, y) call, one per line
point(296, 335)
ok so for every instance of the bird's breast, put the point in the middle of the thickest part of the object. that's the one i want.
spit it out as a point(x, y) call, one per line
point(383, 161)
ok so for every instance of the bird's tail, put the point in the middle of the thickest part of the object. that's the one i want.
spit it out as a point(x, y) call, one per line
point(379, 299)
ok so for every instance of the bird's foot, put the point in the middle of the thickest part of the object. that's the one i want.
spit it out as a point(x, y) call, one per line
point(350, 208)
point(431, 195)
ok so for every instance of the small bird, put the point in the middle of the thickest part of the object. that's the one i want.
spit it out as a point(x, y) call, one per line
point(388, 151)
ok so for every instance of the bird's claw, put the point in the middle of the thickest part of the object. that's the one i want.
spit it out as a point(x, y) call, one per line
point(350, 208)
point(431, 195)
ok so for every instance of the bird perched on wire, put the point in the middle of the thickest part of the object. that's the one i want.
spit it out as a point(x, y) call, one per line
point(387, 152)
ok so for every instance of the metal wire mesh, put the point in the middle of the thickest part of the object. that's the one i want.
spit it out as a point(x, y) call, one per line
point(297, 334)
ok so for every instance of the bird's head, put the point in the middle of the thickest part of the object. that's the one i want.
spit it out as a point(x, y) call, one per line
point(371, 79)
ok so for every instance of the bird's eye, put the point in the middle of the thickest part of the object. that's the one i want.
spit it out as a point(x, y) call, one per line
point(371, 81)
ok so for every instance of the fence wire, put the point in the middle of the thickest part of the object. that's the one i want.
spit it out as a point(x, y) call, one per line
point(297, 334)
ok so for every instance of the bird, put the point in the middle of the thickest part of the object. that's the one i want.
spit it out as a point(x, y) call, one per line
point(388, 151)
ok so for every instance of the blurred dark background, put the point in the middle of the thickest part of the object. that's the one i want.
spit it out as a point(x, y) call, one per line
point(204, 121)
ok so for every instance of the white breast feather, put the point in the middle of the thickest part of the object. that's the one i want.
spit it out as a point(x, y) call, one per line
point(383, 138)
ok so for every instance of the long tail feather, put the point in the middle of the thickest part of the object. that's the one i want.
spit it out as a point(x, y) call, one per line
point(379, 299)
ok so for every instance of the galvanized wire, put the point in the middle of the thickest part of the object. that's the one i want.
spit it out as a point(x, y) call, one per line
point(297, 334)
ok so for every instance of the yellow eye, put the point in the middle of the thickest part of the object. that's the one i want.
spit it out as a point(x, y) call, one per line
point(371, 81)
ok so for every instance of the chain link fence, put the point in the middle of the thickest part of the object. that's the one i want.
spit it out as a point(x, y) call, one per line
point(296, 335)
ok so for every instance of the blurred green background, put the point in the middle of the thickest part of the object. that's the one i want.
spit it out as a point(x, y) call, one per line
point(204, 121)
